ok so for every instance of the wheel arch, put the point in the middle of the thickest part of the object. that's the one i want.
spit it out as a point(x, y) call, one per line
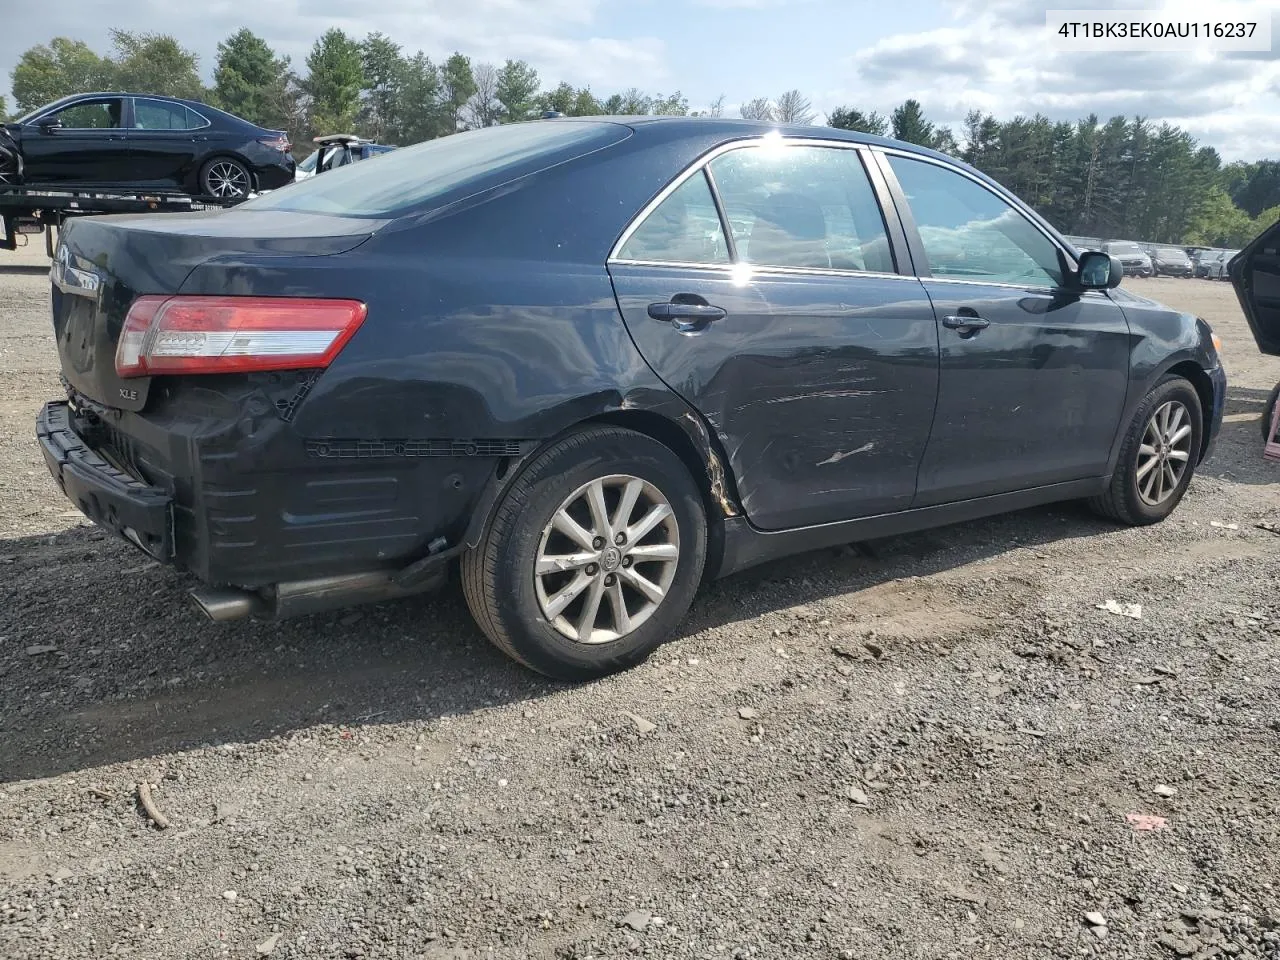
point(222, 153)
point(1195, 374)
point(683, 433)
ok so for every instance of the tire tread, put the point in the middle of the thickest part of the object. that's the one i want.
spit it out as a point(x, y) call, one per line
point(479, 566)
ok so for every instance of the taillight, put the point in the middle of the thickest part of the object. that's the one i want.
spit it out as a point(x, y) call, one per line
point(280, 143)
point(191, 334)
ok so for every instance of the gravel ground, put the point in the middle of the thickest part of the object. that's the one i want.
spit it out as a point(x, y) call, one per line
point(927, 748)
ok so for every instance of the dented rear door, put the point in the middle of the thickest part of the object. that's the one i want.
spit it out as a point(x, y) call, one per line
point(819, 382)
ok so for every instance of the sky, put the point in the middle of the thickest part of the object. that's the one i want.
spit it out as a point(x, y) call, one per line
point(951, 55)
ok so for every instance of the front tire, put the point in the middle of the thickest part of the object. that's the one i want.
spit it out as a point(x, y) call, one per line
point(593, 556)
point(225, 178)
point(1158, 457)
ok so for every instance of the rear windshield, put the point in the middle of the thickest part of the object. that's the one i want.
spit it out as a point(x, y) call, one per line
point(405, 178)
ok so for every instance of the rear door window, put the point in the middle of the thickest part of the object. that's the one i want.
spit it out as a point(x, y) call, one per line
point(683, 228)
point(158, 115)
point(802, 206)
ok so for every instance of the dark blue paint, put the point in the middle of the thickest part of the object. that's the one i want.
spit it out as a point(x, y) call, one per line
point(818, 409)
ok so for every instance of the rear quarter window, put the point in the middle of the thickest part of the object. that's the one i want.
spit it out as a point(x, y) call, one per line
point(406, 179)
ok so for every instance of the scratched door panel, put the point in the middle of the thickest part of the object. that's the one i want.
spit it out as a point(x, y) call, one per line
point(821, 387)
point(1033, 399)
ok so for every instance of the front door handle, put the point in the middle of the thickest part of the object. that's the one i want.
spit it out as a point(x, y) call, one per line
point(965, 326)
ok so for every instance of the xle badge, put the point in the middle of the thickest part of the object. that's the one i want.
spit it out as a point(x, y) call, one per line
point(128, 394)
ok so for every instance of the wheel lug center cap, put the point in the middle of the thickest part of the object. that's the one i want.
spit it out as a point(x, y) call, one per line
point(610, 558)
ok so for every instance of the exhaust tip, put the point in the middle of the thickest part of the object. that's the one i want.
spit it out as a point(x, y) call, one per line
point(221, 604)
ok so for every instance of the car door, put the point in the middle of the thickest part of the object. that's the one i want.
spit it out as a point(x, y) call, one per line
point(162, 141)
point(763, 289)
point(84, 142)
point(1032, 376)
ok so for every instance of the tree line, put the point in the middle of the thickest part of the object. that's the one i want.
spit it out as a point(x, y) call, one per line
point(1120, 178)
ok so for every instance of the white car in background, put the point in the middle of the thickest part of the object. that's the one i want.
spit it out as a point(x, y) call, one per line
point(337, 150)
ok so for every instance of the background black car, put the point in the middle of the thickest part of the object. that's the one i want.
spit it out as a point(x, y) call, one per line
point(594, 360)
point(128, 140)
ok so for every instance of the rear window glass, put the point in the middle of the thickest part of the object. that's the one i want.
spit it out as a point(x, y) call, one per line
point(405, 178)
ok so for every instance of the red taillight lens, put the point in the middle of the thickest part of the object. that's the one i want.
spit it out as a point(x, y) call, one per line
point(279, 143)
point(188, 334)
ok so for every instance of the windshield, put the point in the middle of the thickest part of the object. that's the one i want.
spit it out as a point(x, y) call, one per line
point(1123, 248)
point(1171, 253)
point(412, 175)
point(309, 164)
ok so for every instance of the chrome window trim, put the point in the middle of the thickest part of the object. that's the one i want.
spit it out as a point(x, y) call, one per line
point(749, 143)
point(756, 268)
point(169, 103)
point(1012, 201)
point(35, 121)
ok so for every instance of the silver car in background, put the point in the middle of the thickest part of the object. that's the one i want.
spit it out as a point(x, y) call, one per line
point(1132, 257)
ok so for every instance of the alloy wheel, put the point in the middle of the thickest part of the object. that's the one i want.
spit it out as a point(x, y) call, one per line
point(607, 559)
point(1164, 453)
point(227, 179)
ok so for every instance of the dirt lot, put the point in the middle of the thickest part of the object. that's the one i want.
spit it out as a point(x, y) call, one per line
point(928, 749)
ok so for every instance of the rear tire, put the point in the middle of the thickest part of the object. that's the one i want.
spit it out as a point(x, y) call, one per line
point(1158, 456)
point(1268, 412)
point(517, 579)
point(225, 178)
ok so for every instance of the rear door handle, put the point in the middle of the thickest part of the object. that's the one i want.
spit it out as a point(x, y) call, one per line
point(703, 312)
point(687, 313)
point(966, 326)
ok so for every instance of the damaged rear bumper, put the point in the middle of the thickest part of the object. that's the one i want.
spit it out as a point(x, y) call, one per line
point(111, 498)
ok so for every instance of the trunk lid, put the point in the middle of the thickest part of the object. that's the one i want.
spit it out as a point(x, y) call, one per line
point(1255, 275)
point(103, 264)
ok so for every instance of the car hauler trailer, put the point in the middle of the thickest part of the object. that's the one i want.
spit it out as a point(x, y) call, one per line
point(39, 209)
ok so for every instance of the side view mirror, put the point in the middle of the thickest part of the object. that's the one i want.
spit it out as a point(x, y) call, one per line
point(49, 124)
point(1099, 271)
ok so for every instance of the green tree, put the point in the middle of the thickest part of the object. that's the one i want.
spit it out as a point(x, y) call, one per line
point(909, 125)
point(847, 118)
point(252, 82)
point(672, 105)
point(419, 101)
point(457, 86)
point(1254, 192)
point(517, 91)
point(1220, 223)
point(560, 99)
point(384, 72)
point(335, 78)
point(585, 104)
point(45, 73)
point(155, 63)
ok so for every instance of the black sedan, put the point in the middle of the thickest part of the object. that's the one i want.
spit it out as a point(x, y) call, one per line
point(121, 140)
point(595, 362)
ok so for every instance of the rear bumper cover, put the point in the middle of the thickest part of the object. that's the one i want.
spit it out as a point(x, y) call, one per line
point(108, 496)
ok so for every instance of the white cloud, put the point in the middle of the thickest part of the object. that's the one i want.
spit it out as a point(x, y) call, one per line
point(994, 58)
point(562, 39)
